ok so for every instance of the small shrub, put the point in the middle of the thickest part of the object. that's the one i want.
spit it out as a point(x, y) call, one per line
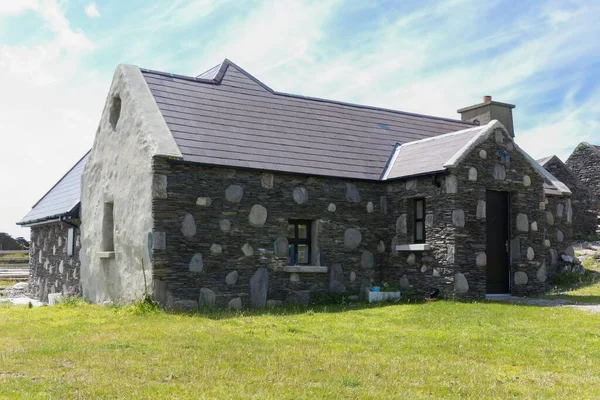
point(147, 305)
point(71, 301)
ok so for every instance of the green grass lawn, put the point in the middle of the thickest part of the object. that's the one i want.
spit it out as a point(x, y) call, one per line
point(433, 350)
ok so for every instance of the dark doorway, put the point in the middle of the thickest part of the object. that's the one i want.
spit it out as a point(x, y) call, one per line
point(497, 242)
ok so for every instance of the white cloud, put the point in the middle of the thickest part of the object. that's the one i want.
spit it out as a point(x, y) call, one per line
point(91, 10)
point(49, 108)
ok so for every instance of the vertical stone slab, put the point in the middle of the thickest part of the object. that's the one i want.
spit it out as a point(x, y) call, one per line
point(259, 287)
point(336, 279)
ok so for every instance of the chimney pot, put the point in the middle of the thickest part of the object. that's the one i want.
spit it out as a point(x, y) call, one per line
point(487, 99)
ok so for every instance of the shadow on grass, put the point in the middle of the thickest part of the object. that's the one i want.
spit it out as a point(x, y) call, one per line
point(221, 314)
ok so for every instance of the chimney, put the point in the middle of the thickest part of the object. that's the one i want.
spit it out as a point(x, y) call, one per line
point(488, 110)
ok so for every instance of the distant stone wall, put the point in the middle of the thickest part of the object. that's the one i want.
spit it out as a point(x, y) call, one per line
point(583, 200)
point(585, 163)
point(559, 230)
point(220, 235)
point(51, 270)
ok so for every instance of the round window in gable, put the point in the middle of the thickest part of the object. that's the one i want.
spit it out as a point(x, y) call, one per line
point(115, 112)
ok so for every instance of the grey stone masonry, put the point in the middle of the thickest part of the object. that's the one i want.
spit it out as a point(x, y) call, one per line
point(251, 233)
point(356, 226)
point(51, 269)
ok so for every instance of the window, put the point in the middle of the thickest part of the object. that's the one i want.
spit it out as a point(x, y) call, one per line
point(108, 228)
point(419, 222)
point(299, 249)
point(70, 241)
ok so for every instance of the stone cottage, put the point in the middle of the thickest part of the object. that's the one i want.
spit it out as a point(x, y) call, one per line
point(55, 237)
point(584, 202)
point(217, 190)
point(585, 164)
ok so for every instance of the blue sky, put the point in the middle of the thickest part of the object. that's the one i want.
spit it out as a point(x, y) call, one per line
point(432, 57)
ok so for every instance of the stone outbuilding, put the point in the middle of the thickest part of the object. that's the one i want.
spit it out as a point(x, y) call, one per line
point(55, 237)
point(583, 200)
point(216, 190)
point(585, 164)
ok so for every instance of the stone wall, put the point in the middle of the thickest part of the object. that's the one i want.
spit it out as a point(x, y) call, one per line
point(220, 235)
point(456, 224)
point(51, 270)
point(585, 164)
point(583, 200)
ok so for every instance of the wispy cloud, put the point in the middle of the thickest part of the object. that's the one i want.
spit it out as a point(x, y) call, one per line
point(91, 10)
point(430, 57)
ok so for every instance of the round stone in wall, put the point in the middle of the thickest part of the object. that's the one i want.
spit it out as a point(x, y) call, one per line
point(483, 154)
point(481, 209)
point(258, 215)
point(542, 274)
point(429, 220)
point(458, 218)
point(234, 193)
point(451, 183)
point(542, 206)
point(481, 259)
point(207, 298)
point(553, 257)
point(247, 250)
point(266, 180)
point(547, 242)
point(231, 278)
point(381, 247)
point(526, 180)
point(560, 236)
point(530, 253)
point(281, 246)
point(559, 210)
point(394, 244)
point(411, 184)
point(472, 174)
point(352, 193)
point(225, 225)
point(300, 195)
point(352, 238)
point(401, 226)
point(331, 207)
point(460, 283)
point(366, 259)
point(522, 223)
point(549, 218)
point(352, 276)
point(370, 207)
point(521, 278)
point(188, 226)
point(499, 172)
point(196, 264)
point(411, 259)
point(235, 304)
point(510, 146)
point(436, 273)
point(534, 226)
point(499, 136)
point(424, 268)
point(203, 201)
point(403, 282)
point(216, 248)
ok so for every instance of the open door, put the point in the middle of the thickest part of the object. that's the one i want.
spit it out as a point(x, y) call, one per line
point(497, 242)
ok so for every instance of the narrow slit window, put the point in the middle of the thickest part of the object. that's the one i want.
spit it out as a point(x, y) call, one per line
point(419, 222)
point(299, 249)
point(70, 242)
point(108, 228)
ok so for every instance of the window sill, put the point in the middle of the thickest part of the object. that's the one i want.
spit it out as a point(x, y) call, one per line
point(105, 254)
point(413, 247)
point(305, 269)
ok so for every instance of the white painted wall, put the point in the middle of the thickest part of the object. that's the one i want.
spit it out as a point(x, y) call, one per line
point(119, 170)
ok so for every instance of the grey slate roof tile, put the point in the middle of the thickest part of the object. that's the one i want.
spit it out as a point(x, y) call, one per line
point(227, 117)
point(62, 199)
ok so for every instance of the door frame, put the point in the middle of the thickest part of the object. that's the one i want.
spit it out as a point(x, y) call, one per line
point(509, 226)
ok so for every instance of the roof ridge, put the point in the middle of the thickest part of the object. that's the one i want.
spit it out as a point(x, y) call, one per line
point(226, 63)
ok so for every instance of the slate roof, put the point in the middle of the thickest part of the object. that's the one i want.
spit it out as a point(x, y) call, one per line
point(227, 117)
point(62, 200)
point(552, 186)
point(429, 155)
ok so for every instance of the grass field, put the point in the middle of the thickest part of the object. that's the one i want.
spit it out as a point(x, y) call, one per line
point(433, 350)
